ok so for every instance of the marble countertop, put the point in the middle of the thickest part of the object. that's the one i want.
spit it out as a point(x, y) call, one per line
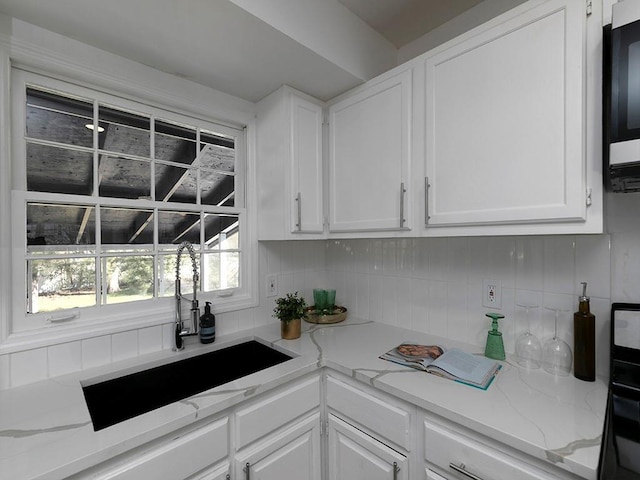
point(46, 430)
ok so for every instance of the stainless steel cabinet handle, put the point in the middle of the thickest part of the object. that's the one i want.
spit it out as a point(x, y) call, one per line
point(396, 469)
point(402, 192)
point(299, 215)
point(247, 471)
point(426, 200)
point(463, 470)
point(228, 477)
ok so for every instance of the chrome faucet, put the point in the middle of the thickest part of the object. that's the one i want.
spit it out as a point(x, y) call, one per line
point(180, 330)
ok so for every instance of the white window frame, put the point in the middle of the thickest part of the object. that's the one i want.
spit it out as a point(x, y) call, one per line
point(23, 328)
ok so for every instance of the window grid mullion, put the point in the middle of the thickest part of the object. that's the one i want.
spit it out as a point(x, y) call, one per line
point(198, 171)
point(93, 200)
point(152, 184)
point(152, 151)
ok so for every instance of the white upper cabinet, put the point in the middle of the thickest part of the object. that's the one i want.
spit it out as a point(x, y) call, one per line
point(306, 155)
point(369, 156)
point(505, 120)
point(289, 166)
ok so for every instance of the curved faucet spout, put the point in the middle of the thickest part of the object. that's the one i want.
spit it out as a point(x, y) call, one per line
point(194, 264)
point(180, 330)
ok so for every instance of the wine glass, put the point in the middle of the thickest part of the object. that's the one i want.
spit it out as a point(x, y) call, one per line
point(528, 347)
point(556, 354)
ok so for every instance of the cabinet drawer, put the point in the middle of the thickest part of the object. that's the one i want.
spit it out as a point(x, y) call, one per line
point(447, 449)
point(431, 475)
point(375, 413)
point(274, 411)
point(184, 455)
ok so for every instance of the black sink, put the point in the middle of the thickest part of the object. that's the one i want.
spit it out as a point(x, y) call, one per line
point(122, 398)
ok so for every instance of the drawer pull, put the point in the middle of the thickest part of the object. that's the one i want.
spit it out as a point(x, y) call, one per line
point(396, 469)
point(247, 471)
point(463, 470)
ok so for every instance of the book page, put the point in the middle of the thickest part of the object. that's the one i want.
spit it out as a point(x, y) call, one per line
point(465, 366)
point(413, 355)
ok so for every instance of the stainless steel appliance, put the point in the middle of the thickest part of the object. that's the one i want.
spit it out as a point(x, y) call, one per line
point(622, 97)
point(620, 455)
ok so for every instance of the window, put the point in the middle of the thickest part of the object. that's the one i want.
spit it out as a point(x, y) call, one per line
point(104, 191)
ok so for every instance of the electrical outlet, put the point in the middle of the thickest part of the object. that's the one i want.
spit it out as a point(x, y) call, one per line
point(272, 285)
point(492, 294)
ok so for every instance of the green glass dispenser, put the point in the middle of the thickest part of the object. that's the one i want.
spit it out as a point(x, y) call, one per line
point(495, 347)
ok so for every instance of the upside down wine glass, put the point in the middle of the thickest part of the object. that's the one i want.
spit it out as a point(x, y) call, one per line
point(556, 354)
point(528, 347)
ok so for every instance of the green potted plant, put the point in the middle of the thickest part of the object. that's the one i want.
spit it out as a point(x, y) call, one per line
point(290, 310)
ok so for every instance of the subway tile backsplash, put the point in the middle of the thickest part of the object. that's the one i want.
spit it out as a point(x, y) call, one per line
point(435, 285)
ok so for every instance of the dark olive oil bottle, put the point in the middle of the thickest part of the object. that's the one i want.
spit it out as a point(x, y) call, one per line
point(584, 334)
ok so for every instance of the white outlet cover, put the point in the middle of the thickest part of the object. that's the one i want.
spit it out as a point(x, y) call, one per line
point(272, 285)
point(492, 294)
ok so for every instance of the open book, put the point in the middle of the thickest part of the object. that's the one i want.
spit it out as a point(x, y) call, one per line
point(455, 364)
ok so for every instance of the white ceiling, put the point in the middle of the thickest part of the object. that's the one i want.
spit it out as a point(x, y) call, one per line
point(218, 43)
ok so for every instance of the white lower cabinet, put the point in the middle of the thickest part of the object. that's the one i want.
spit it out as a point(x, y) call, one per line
point(452, 452)
point(370, 434)
point(182, 456)
point(328, 427)
point(291, 453)
point(277, 435)
point(356, 455)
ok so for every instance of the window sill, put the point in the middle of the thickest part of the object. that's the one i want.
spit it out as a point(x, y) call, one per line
point(114, 322)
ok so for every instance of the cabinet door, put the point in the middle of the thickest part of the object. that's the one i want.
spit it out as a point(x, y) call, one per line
point(505, 120)
point(369, 157)
point(354, 455)
point(289, 166)
point(293, 453)
point(306, 165)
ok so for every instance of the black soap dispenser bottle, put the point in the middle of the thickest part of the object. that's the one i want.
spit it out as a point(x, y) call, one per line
point(584, 334)
point(207, 325)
